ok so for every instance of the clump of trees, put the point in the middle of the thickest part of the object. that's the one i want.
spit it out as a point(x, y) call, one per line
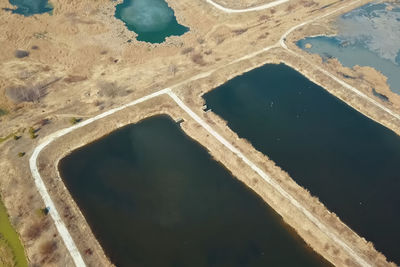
point(28, 93)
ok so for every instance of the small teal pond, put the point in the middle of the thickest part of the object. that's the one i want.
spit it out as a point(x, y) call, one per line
point(30, 7)
point(151, 20)
point(351, 163)
point(154, 197)
point(367, 36)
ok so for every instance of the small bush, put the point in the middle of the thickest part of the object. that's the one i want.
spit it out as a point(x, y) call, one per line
point(32, 133)
point(21, 154)
point(16, 137)
point(21, 53)
point(198, 59)
point(74, 120)
point(48, 247)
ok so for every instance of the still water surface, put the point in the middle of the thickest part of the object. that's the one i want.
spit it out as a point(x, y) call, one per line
point(30, 7)
point(154, 197)
point(151, 20)
point(367, 36)
point(347, 160)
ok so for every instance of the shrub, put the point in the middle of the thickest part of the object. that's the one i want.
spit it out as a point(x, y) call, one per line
point(21, 53)
point(198, 59)
point(48, 247)
point(21, 154)
point(74, 120)
point(32, 133)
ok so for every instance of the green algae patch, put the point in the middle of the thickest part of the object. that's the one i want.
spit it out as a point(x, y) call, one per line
point(12, 252)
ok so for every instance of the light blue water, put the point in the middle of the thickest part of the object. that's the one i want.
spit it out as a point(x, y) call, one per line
point(368, 36)
point(30, 7)
point(152, 20)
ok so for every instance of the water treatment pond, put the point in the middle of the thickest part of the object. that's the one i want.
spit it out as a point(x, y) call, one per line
point(154, 197)
point(350, 162)
point(367, 36)
point(30, 7)
point(151, 20)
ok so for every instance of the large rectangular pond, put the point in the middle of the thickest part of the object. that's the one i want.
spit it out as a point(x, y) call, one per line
point(154, 197)
point(349, 161)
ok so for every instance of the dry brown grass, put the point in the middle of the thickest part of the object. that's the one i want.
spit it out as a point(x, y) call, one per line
point(36, 229)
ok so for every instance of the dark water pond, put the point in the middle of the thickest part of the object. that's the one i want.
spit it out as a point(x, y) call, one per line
point(350, 162)
point(152, 20)
point(30, 7)
point(154, 197)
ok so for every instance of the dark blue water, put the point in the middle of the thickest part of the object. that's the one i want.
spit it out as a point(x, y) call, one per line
point(154, 197)
point(347, 160)
point(30, 7)
point(152, 20)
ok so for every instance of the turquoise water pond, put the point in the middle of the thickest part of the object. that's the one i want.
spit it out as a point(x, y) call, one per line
point(367, 36)
point(151, 20)
point(30, 7)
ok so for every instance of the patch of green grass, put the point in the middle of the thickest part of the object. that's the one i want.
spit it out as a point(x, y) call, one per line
point(11, 249)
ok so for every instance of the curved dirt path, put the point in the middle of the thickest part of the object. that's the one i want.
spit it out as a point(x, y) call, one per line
point(65, 235)
point(250, 9)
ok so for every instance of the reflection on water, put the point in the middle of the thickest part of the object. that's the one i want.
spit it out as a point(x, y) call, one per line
point(154, 197)
point(30, 7)
point(367, 36)
point(351, 163)
point(152, 20)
